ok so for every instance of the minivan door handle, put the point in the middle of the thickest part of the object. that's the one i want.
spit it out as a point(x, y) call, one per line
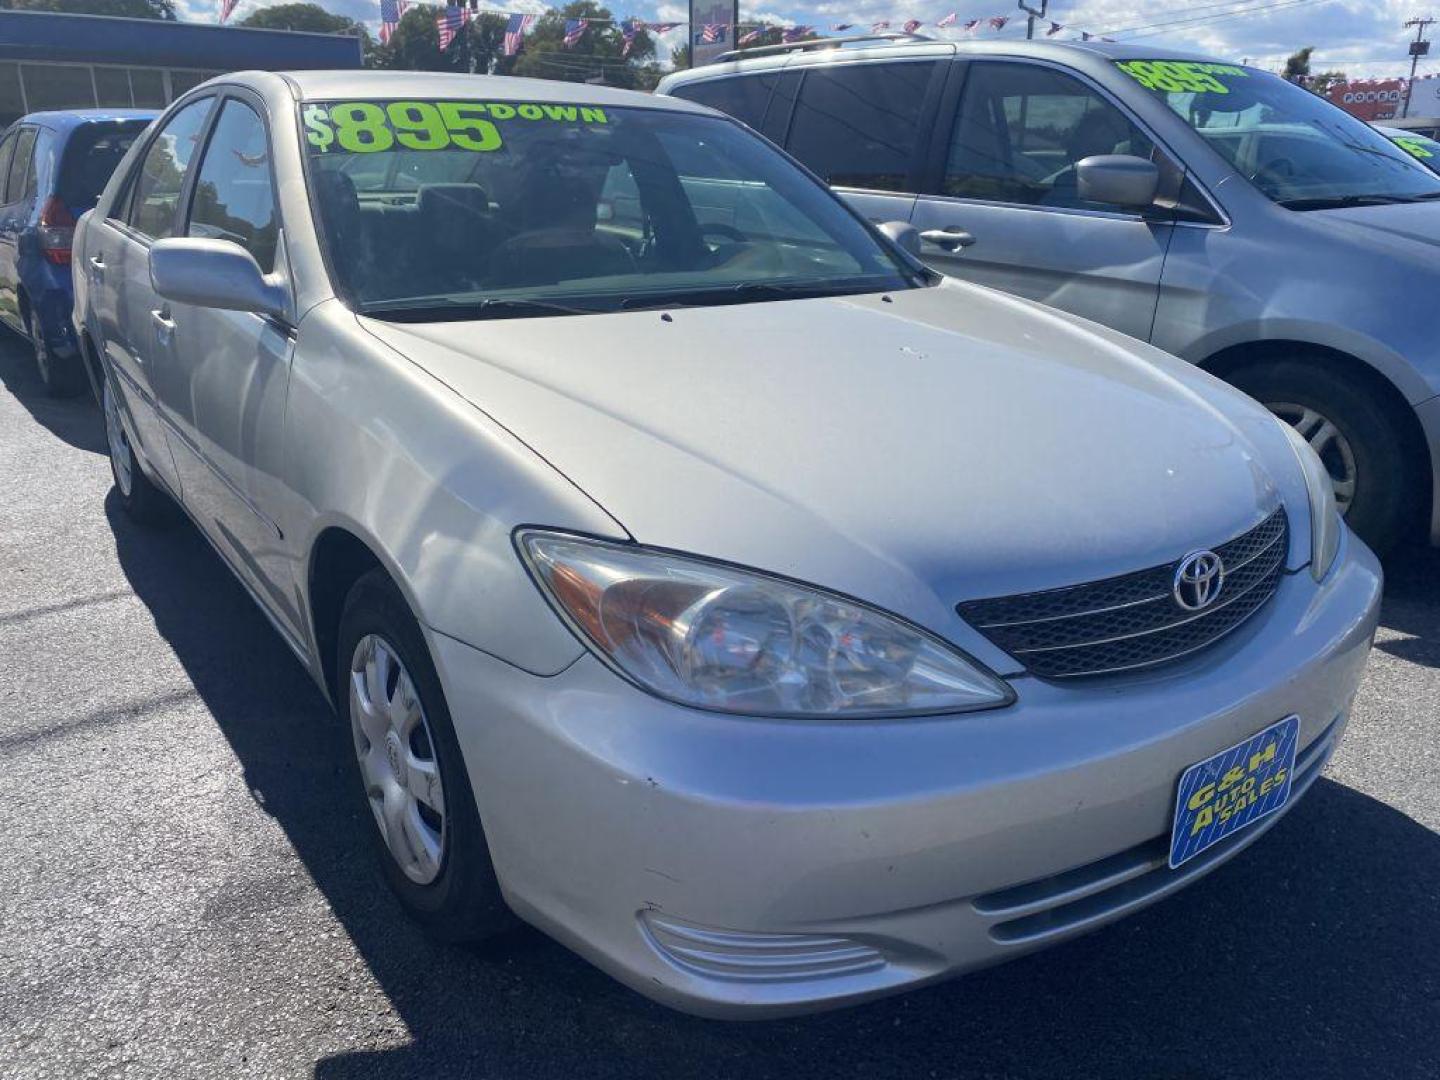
point(951, 239)
point(97, 266)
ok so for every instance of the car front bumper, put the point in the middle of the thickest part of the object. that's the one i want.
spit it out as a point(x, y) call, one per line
point(743, 868)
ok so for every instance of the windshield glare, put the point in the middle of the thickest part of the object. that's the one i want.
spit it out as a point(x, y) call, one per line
point(439, 210)
point(1291, 144)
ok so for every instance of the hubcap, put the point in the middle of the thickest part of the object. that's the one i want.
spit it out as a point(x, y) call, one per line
point(1327, 441)
point(397, 759)
point(120, 460)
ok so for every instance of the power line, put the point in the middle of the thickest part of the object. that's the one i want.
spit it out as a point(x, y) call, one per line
point(1165, 27)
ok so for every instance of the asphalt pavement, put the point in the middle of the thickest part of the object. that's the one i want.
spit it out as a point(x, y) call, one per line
point(186, 888)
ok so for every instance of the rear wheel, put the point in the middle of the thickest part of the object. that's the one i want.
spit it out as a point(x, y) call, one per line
point(141, 499)
point(427, 833)
point(62, 376)
point(1354, 435)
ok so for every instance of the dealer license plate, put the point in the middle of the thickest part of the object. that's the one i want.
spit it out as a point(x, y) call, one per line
point(1237, 787)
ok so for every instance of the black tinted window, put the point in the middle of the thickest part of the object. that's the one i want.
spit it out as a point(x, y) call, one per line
point(22, 167)
point(858, 125)
point(1022, 127)
point(744, 98)
point(7, 152)
point(91, 156)
point(234, 197)
point(162, 172)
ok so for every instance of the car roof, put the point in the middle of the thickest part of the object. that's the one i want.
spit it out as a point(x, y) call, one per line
point(66, 119)
point(829, 50)
point(332, 85)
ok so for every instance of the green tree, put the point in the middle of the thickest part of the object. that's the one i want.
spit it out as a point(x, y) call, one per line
point(310, 17)
point(598, 55)
point(131, 9)
point(1297, 64)
point(680, 57)
point(414, 45)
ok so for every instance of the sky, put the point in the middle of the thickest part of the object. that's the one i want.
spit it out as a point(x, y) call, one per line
point(1365, 38)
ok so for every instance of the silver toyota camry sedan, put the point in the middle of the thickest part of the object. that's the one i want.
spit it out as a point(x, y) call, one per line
point(702, 579)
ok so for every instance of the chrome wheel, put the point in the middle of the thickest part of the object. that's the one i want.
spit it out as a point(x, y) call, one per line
point(1327, 441)
point(121, 460)
point(397, 759)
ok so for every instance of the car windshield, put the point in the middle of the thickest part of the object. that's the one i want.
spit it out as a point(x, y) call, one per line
point(1297, 148)
point(481, 209)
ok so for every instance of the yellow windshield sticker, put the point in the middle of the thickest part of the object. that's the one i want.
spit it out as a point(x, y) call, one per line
point(368, 127)
point(1415, 147)
point(1182, 76)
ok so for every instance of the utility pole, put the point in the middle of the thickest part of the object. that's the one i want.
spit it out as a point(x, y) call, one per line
point(1418, 48)
point(1034, 14)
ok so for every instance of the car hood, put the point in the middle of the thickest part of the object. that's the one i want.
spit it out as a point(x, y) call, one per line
point(917, 450)
point(1405, 229)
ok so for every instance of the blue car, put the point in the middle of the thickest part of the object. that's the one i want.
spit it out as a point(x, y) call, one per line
point(53, 166)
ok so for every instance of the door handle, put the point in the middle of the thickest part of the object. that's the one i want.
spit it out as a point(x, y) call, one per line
point(164, 324)
point(952, 239)
point(97, 266)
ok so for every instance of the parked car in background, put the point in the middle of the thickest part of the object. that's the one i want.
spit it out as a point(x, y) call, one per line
point(772, 619)
point(1217, 211)
point(1421, 147)
point(53, 166)
point(1428, 126)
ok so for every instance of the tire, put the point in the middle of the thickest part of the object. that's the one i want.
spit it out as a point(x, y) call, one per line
point(62, 376)
point(442, 876)
point(1358, 439)
point(141, 499)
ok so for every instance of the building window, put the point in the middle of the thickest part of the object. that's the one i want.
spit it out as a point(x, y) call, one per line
point(57, 86)
point(149, 87)
point(12, 105)
point(112, 87)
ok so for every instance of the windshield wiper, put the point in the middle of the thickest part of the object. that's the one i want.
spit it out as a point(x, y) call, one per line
point(742, 292)
point(486, 308)
point(1336, 202)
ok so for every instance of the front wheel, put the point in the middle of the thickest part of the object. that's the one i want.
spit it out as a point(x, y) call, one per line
point(1353, 434)
point(427, 832)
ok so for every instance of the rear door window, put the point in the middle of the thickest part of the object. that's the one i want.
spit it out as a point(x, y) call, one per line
point(1022, 128)
point(90, 158)
point(21, 175)
point(744, 97)
point(162, 172)
point(858, 125)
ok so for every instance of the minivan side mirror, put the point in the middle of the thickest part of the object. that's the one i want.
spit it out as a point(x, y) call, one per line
point(215, 274)
point(1117, 179)
point(905, 236)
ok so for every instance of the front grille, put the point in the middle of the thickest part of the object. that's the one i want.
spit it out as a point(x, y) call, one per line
point(1132, 621)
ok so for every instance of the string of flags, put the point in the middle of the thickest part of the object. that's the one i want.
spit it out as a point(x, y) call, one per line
point(450, 20)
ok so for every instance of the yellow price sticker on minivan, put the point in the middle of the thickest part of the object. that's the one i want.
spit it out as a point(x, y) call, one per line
point(368, 127)
point(1412, 146)
point(1182, 76)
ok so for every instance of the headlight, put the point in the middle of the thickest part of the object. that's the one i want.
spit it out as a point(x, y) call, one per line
point(738, 641)
point(1325, 523)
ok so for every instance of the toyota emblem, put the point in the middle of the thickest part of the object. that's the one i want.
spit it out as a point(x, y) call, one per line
point(1198, 580)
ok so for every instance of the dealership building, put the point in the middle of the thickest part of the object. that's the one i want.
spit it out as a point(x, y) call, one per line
point(55, 61)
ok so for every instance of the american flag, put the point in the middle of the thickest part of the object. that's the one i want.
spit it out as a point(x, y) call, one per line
point(574, 31)
point(970, 25)
point(750, 35)
point(948, 20)
point(911, 25)
point(794, 33)
point(449, 22)
point(227, 7)
point(998, 22)
point(391, 12)
point(875, 28)
point(515, 33)
point(1055, 28)
point(628, 30)
point(712, 32)
point(841, 26)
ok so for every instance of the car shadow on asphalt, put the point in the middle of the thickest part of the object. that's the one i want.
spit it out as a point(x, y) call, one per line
point(76, 420)
point(1412, 606)
point(1311, 952)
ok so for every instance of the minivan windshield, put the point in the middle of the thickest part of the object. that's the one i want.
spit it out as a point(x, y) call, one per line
point(1297, 148)
point(435, 210)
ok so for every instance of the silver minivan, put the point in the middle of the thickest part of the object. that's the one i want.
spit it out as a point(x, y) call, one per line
point(1214, 210)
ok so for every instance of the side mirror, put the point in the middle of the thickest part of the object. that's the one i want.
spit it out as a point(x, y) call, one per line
point(215, 274)
point(1117, 179)
point(905, 236)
